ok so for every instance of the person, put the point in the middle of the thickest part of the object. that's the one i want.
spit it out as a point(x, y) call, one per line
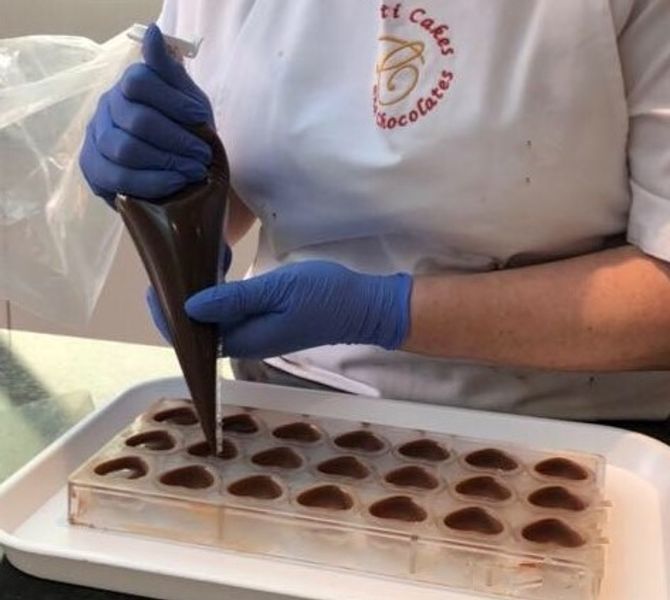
point(464, 203)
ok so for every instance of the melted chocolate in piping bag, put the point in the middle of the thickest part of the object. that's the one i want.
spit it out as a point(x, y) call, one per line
point(179, 240)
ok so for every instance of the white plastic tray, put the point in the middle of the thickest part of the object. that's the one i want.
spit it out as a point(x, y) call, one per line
point(39, 541)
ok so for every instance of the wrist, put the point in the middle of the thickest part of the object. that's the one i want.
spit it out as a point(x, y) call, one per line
point(391, 308)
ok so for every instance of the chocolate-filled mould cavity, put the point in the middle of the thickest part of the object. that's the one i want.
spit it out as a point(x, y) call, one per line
point(259, 487)
point(327, 497)
point(280, 457)
point(156, 440)
point(412, 476)
point(193, 477)
point(556, 496)
point(242, 423)
point(398, 508)
point(345, 466)
point(360, 440)
point(227, 450)
point(424, 449)
point(124, 467)
point(561, 468)
point(553, 531)
point(483, 486)
point(179, 240)
point(182, 415)
point(492, 459)
point(299, 431)
point(474, 519)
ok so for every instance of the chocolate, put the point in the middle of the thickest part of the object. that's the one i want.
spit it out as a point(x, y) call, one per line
point(344, 466)
point(193, 477)
point(177, 416)
point(424, 449)
point(399, 508)
point(412, 476)
point(299, 431)
point(330, 497)
point(553, 531)
point(124, 467)
point(260, 487)
point(557, 496)
point(281, 457)
point(474, 519)
point(362, 440)
point(241, 423)
point(152, 440)
point(227, 451)
point(179, 240)
point(562, 468)
point(491, 458)
point(484, 486)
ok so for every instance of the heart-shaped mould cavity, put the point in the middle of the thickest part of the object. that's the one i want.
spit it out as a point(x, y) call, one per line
point(412, 476)
point(329, 497)
point(193, 477)
point(241, 423)
point(424, 449)
point(556, 496)
point(280, 457)
point(261, 487)
point(398, 508)
point(124, 467)
point(484, 486)
point(157, 440)
point(228, 450)
point(344, 466)
point(492, 459)
point(361, 440)
point(474, 519)
point(562, 468)
point(299, 431)
point(553, 531)
point(182, 415)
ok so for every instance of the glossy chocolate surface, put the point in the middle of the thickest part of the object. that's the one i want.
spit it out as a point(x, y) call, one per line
point(344, 466)
point(193, 477)
point(177, 416)
point(553, 531)
point(152, 440)
point(362, 440)
point(261, 487)
point(298, 432)
point(124, 467)
point(562, 468)
point(330, 497)
point(240, 423)
point(202, 449)
point(492, 458)
point(281, 457)
point(424, 449)
point(474, 519)
point(484, 486)
point(556, 496)
point(412, 476)
point(398, 508)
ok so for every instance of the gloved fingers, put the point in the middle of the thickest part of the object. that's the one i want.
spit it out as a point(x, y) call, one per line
point(87, 157)
point(157, 56)
point(257, 338)
point(153, 127)
point(141, 84)
point(157, 314)
point(126, 150)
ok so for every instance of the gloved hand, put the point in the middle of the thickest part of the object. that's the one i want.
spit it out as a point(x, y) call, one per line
point(136, 142)
point(303, 305)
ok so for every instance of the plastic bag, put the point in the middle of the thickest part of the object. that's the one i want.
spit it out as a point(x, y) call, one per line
point(57, 241)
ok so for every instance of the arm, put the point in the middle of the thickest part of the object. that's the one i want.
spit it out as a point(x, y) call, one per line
point(605, 311)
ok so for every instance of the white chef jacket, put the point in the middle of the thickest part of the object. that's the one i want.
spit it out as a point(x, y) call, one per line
point(442, 136)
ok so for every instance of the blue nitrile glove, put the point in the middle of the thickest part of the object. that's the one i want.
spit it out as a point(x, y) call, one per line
point(136, 142)
point(303, 305)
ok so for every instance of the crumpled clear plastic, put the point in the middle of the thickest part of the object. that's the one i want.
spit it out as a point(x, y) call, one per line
point(57, 241)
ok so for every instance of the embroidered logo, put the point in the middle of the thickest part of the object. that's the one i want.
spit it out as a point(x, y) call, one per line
point(403, 64)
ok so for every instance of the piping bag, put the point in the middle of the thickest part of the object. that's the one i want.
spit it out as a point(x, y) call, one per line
point(179, 240)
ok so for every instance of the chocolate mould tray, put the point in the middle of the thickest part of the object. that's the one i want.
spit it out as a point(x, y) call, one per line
point(439, 509)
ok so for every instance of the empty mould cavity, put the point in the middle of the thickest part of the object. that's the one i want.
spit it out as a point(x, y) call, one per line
point(399, 508)
point(228, 450)
point(177, 416)
point(553, 531)
point(361, 440)
point(562, 468)
point(261, 487)
point(556, 496)
point(424, 449)
point(193, 477)
point(240, 423)
point(280, 457)
point(484, 486)
point(125, 467)
point(412, 476)
point(299, 431)
point(152, 440)
point(475, 520)
point(493, 459)
point(330, 497)
point(344, 466)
